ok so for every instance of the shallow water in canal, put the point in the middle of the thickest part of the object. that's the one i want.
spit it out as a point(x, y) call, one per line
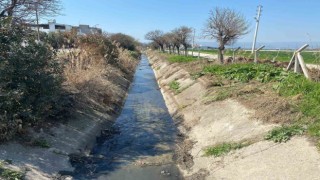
point(141, 146)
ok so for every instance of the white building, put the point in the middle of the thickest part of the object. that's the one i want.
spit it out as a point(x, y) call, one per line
point(53, 26)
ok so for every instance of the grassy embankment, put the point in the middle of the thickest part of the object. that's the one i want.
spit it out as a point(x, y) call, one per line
point(283, 56)
point(302, 94)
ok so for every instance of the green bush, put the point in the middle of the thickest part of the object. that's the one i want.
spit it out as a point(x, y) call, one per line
point(124, 41)
point(30, 80)
point(56, 40)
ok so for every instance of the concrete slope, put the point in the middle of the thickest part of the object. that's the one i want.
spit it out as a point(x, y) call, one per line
point(207, 124)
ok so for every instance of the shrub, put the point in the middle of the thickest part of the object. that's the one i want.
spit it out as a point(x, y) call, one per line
point(30, 80)
point(124, 41)
point(99, 46)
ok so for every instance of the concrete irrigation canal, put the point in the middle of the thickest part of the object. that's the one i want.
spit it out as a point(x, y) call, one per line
point(141, 143)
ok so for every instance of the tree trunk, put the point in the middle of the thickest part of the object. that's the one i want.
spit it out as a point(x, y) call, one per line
point(170, 50)
point(162, 48)
point(185, 50)
point(220, 53)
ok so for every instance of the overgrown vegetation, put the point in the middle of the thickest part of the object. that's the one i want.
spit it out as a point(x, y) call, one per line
point(247, 72)
point(225, 148)
point(30, 80)
point(33, 74)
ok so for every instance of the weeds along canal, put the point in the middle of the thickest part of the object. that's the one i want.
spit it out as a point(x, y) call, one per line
point(141, 143)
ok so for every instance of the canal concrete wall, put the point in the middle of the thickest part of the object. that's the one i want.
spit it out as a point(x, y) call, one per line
point(206, 123)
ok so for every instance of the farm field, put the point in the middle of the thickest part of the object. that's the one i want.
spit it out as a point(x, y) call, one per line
point(283, 56)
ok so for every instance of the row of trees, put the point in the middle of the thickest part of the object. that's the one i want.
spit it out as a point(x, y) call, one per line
point(223, 25)
point(173, 40)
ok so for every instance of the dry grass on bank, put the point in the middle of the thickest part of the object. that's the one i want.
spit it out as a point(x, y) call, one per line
point(94, 79)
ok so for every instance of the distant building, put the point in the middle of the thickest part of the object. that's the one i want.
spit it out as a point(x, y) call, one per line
point(52, 26)
point(86, 29)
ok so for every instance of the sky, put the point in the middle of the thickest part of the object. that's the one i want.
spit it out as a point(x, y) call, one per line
point(281, 21)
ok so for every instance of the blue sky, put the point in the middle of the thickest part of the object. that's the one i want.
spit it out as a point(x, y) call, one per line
point(281, 20)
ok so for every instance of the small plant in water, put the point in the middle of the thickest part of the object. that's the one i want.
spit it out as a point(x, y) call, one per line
point(40, 142)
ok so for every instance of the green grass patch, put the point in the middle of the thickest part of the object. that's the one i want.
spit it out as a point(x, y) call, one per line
point(175, 86)
point(179, 58)
point(9, 174)
point(284, 56)
point(224, 148)
point(284, 133)
point(309, 91)
point(247, 72)
point(314, 129)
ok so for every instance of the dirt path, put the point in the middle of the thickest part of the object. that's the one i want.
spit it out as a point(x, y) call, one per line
point(207, 124)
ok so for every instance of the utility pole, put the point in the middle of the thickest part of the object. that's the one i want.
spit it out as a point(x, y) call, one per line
point(257, 18)
point(194, 34)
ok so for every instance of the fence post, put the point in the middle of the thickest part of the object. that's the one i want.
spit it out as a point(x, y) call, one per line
point(256, 54)
point(234, 54)
point(298, 62)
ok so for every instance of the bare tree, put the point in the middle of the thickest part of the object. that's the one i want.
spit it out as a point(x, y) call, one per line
point(29, 10)
point(156, 36)
point(225, 26)
point(169, 41)
point(176, 43)
point(183, 36)
point(41, 8)
point(8, 7)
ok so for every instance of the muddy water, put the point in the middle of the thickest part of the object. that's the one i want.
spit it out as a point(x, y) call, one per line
point(140, 146)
